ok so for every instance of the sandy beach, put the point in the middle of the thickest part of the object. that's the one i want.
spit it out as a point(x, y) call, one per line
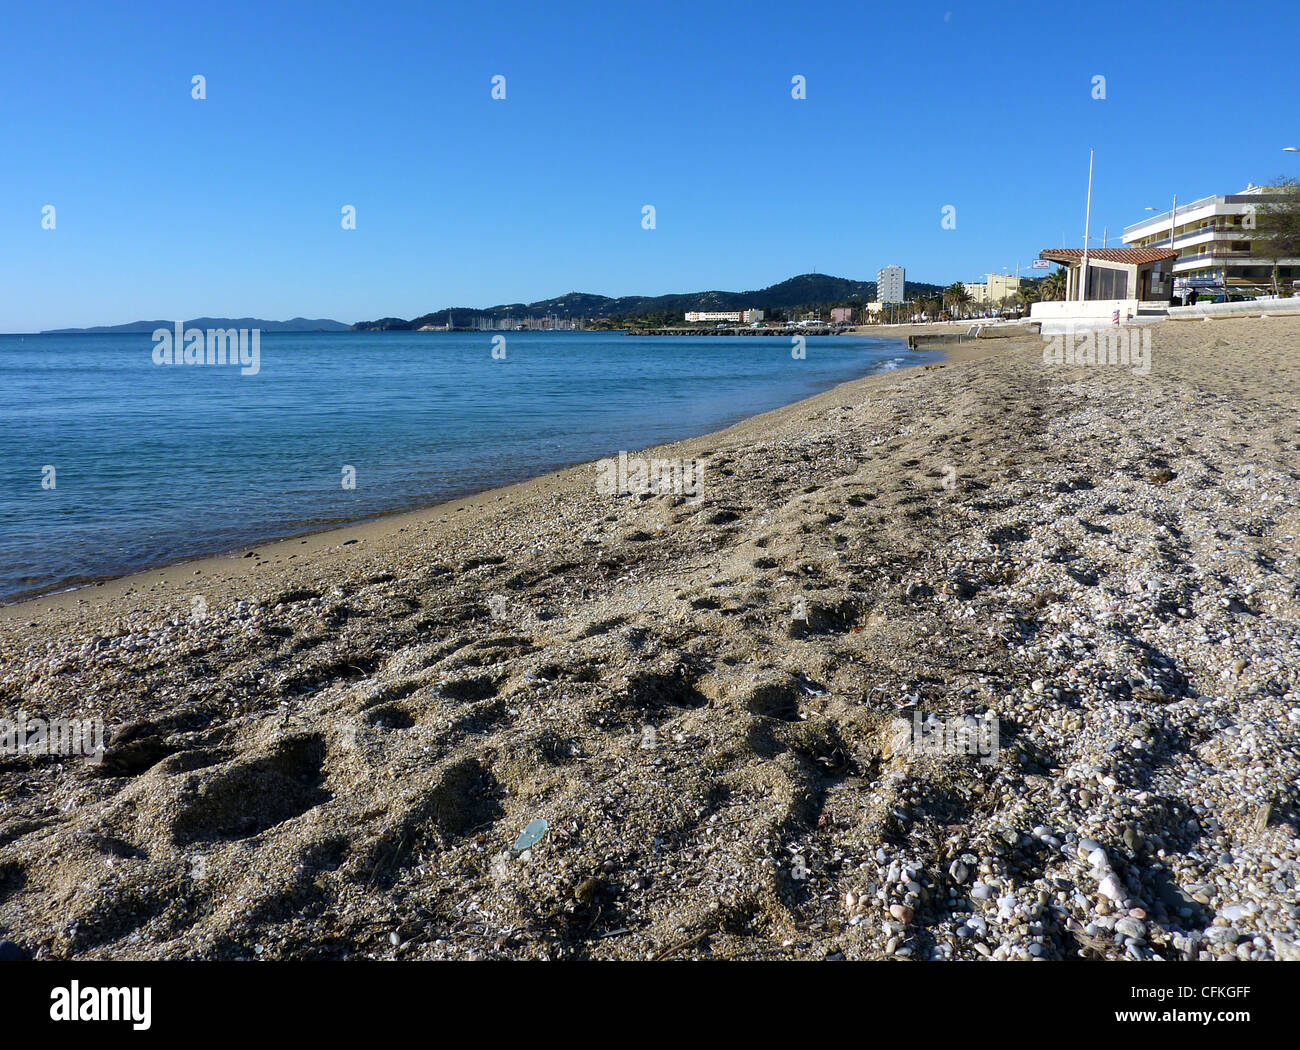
point(327, 747)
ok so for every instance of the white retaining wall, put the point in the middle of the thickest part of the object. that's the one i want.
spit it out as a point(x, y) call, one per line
point(1255, 308)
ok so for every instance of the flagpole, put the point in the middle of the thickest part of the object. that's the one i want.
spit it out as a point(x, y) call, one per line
point(1087, 228)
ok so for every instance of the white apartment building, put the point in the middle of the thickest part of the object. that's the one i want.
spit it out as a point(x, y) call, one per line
point(889, 284)
point(713, 315)
point(1213, 239)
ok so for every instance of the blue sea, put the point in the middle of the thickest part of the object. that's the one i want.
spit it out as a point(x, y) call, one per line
point(157, 463)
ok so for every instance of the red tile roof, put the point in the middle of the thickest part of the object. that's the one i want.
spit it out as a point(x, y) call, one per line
point(1129, 256)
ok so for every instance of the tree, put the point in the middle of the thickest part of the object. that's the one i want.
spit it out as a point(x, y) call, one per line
point(1053, 286)
point(1277, 224)
point(956, 297)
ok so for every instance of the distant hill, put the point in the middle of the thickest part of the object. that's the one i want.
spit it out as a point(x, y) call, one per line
point(296, 324)
point(805, 290)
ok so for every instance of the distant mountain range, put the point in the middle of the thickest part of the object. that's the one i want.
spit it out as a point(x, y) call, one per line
point(296, 324)
point(807, 289)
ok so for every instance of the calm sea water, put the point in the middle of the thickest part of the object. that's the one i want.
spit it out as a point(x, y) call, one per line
point(153, 464)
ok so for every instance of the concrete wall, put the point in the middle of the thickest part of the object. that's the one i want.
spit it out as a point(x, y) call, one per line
point(1091, 308)
point(1059, 317)
point(1257, 308)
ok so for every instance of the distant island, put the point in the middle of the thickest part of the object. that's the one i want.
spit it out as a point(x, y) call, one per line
point(807, 291)
point(296, 324)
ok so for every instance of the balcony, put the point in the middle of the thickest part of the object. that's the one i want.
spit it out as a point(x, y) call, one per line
point(1212, 211)
point(1200, 234)
point(1218, 257)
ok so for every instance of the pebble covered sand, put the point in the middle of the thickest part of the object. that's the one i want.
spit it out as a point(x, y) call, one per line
point(333, 753)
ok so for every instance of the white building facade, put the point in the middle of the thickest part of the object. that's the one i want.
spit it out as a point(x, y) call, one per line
point(713, 315)
point(889, 284)
point(1213, 238)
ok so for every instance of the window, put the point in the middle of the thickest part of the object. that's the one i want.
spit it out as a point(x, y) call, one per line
point(1107, 284)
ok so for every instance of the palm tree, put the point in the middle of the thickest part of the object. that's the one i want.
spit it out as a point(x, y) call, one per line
point(956, 297)
point(1053, 286)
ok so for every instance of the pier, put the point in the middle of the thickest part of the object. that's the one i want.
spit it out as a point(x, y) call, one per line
point(739, 330)
point(938, 340)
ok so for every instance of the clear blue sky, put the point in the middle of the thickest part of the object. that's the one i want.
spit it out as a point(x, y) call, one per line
point(169, 207)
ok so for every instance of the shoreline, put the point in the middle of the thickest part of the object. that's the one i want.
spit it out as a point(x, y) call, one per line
point(317, 540)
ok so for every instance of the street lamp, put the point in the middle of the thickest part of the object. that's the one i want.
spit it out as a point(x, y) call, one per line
point(1173, 219)
point(1173, 225)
